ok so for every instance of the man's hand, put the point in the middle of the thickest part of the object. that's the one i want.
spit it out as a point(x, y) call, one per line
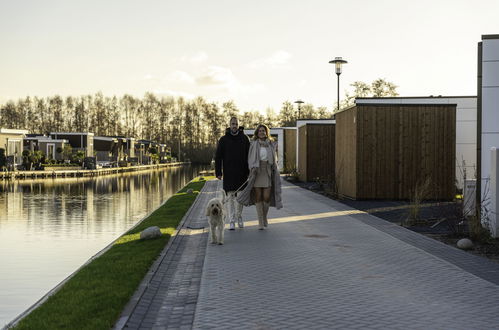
point(219, 177)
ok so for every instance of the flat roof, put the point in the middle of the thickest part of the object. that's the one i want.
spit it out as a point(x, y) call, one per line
point(105, 138)
point(416, 97)
point(302, 122)
point(490, 36)
point(71, 133)
point(13, 131)
point(52, 140)
point(406, 104)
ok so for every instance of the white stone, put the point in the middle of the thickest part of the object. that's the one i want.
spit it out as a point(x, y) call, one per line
point(465, 244)
point(151, 232)
point(189, 191)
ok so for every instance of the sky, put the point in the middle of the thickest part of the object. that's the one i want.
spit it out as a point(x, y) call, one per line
point(258, 53)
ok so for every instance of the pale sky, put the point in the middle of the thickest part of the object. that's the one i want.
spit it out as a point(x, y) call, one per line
point(258, 53)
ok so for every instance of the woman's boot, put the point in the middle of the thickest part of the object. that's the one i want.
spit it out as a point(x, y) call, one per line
point(259, 212)
point(265, 212)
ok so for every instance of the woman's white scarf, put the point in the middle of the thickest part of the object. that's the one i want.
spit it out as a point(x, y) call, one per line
point(254, 153)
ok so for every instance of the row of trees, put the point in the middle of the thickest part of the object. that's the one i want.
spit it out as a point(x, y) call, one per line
point(195, 124)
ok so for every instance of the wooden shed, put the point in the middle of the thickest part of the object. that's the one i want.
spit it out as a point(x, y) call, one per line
point(289, 149)
point(316, 151)
point(386, 151)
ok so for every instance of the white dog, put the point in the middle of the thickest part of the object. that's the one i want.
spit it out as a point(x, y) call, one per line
point(215, 212)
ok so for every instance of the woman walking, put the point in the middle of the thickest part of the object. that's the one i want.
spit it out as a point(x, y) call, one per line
point(264, 182)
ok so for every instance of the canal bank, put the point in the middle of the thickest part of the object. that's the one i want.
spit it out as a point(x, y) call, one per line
point(50, 227)
point(106, 282)
point(83, 173)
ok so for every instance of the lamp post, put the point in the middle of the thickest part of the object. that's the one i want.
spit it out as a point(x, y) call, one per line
point(338, 61)
point(299, 102)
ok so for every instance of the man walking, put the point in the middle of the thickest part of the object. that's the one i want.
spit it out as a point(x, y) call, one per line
point(231, 164)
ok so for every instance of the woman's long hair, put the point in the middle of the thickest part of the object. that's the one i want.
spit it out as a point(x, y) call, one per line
point(267, 131)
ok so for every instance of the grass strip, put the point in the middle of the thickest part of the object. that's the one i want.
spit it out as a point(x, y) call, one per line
point(96, 295)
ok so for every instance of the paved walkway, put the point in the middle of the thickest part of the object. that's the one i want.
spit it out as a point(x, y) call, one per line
point(167, 297)
point(323, 265)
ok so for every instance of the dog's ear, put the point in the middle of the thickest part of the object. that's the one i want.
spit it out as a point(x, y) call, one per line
point(208, 210)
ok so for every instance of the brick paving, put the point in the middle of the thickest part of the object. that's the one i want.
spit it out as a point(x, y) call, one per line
point(320, 265)
point(323, 265)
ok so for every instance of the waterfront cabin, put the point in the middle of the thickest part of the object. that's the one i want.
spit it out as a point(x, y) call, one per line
point(49, 147)
point(146, 146)
point(139, 151)
point(78, 141)
point(126, 147)
point(106, 150)
point(165, 153)
point(11, 141)
point(130, 147)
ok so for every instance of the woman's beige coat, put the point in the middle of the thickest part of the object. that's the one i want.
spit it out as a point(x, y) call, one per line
point(247, 196)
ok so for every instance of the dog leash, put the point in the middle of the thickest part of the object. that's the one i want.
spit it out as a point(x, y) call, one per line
point(235, 192)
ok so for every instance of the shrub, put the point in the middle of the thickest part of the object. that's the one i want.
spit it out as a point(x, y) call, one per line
point(3, 159)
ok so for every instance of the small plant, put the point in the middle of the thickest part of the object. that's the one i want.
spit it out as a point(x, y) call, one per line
point(67, 151)
point(480, 226)
point(36, 157)
point(292, 174)
point(419, 194)
point(78, 157)
point(329, 185)
point(26, 159)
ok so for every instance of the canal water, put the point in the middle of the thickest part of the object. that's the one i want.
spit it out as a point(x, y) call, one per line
point(50, 227)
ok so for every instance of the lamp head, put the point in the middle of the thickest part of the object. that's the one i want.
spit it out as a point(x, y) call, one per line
point(338, 62)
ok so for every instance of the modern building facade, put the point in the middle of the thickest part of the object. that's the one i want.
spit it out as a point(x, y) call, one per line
point(11, 140)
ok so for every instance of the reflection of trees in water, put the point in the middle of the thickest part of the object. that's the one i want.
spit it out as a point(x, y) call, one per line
point(88, 206)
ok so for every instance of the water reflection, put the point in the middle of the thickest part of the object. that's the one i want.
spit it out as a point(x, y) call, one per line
point(48, 228)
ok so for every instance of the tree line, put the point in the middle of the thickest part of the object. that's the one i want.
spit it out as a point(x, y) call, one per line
point(194, 125)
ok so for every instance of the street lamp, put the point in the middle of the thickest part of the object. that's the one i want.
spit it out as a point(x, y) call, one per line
point(338, 61)
point(299, 102)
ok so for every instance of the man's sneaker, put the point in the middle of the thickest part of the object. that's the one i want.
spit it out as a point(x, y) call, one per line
point(240, 222)
point(232, 225)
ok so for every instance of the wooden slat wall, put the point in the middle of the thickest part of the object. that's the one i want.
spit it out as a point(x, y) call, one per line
point(399, 146)
point(320, 152)
point(289, 149)
point(302, 153)
point(346, 150)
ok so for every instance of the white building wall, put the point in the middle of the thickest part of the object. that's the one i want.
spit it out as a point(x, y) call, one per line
point(466, 123)
point(490, 124)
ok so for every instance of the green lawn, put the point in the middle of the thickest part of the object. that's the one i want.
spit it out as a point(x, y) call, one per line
point(96, 295)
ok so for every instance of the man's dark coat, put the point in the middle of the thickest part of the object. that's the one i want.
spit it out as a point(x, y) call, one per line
point(231, 159)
